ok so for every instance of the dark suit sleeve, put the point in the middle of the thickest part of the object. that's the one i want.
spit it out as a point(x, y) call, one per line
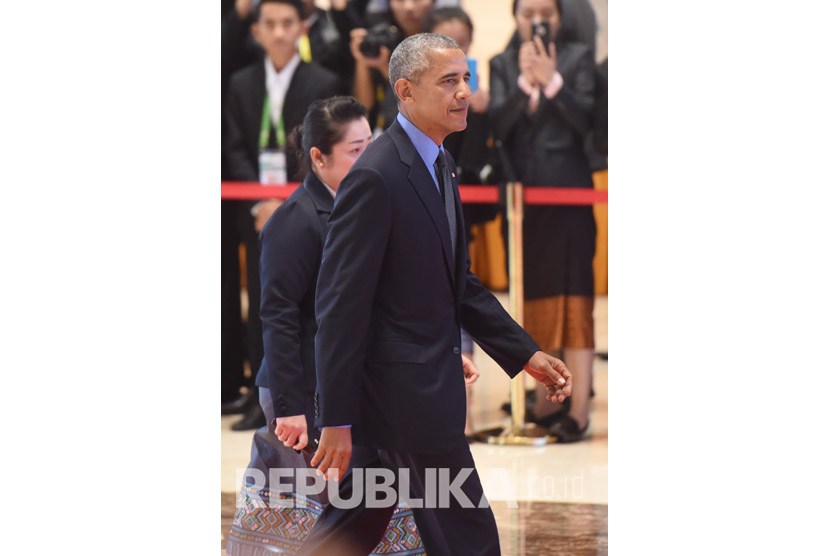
point(290, 252)
point(359, 228)
point(575, 100)
point(493, 328)
point(240, 166)
point(507, 101)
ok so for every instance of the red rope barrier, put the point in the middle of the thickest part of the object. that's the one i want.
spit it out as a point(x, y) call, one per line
point(563, 196)
point(484, 194)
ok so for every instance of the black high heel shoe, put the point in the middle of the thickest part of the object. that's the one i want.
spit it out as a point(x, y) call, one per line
point(549, 420)
point(566, 430)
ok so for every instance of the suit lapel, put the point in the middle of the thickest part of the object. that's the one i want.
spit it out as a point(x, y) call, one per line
point(296, 97)
point(421, 181)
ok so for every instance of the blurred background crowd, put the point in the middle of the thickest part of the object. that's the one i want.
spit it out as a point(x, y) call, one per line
point(538, 114)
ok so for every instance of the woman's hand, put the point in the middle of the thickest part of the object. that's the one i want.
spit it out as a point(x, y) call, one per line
point(470, 372)
point(293, 431)
point(542, 63)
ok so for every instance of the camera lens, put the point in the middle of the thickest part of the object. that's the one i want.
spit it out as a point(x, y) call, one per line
point(370, 48)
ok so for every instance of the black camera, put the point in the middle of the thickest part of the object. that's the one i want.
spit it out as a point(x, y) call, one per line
point(381, 34)
point(541, 29)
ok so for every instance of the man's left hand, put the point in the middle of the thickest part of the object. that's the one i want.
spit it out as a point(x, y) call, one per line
point(551, 372)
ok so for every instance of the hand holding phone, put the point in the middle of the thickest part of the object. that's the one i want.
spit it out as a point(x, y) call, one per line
point(541, 29)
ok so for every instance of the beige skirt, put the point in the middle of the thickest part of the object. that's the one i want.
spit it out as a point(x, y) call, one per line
point(562, 321)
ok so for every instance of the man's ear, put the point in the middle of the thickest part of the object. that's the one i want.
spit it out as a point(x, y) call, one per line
point(306, 27)
point(403, 88)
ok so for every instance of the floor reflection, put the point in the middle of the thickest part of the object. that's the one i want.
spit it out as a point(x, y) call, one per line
point(550, 529)
point(531, 529)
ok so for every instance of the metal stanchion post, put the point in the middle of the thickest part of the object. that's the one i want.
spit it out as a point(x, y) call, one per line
point(518, 432)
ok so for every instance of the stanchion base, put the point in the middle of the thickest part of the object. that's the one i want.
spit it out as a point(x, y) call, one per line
point(528, 434)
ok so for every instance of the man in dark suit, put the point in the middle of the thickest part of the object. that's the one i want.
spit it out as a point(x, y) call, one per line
point(393, 291)
point(265, 101)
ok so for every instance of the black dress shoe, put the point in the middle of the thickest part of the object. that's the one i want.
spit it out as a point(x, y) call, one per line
point(241, 404)
point(254, 418)
point(566, 430)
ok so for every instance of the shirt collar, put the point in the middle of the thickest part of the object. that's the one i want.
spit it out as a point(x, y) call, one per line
point(332, 191)
point(425, 146)
point(272, 75)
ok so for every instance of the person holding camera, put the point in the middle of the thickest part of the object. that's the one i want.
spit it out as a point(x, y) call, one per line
point(371, 49)
point(542, 97)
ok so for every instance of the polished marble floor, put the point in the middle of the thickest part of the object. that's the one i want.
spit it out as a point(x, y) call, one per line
point(561, 489)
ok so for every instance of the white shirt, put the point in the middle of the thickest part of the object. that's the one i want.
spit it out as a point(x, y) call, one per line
point(332, 191)
point(277, 82)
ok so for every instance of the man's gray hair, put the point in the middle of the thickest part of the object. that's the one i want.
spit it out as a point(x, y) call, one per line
point(411, 58)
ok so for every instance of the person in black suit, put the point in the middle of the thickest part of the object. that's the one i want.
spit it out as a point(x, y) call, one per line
point(393, 291)
point(542, 98)
point(265, 99)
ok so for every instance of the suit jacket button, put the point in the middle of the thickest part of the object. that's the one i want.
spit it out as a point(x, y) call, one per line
point(456, 351)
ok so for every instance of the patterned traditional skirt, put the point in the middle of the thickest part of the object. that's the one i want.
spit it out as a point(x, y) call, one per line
point(263, 527)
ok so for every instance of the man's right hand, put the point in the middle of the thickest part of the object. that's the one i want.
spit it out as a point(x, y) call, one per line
point(334, 452)
point(293, 431)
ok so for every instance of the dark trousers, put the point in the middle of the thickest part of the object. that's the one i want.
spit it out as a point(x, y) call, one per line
point(254, 324)
point(233, 333)
point(451, 531)
point(239, 341)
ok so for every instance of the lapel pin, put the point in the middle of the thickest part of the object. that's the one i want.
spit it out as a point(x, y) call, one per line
point(453, 175)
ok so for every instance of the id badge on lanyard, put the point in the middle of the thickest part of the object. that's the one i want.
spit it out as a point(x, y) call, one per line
point(273, 168)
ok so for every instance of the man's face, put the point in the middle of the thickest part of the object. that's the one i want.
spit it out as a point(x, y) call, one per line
point(457, 31)
point(278, 29)
point(528, 11)
point(438, 103)
point(411, 15)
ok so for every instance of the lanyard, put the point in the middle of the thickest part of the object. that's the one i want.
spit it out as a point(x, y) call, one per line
point(265, 128)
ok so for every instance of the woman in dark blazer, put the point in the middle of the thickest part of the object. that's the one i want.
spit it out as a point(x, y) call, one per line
point(334, 133)
point(542, 97)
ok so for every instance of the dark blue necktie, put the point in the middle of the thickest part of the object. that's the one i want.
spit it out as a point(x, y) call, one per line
point(445, 183)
